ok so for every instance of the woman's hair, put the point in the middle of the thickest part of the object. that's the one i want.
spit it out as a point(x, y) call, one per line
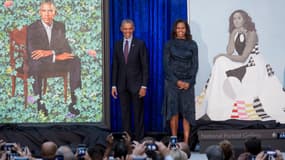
point(248, 24)
point(188, 32)
point(228, 150)
point(96, 152)
point(253, 145)
point(120, 149)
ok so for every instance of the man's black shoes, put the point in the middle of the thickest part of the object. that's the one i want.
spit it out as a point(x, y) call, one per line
point(72, 109)
point(42, 108)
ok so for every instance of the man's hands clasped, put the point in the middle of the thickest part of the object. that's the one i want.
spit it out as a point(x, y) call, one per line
point(37, 54)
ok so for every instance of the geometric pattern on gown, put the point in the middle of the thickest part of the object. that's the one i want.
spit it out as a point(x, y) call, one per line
point(250, 111)
point(269, 70)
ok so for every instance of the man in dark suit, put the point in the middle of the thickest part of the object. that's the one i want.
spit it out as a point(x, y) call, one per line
point(49, 51)
point(130, 77)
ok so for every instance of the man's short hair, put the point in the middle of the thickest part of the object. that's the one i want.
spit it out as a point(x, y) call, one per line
point(49, 2)
point(127, 21)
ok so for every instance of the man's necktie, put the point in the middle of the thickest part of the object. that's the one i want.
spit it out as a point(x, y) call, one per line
point(126, 51)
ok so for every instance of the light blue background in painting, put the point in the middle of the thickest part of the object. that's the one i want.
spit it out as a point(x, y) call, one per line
point(209, 25)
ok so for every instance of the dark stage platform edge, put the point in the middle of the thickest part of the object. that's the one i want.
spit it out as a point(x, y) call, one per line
point(34, 135)
point(209, 132)
point(205, 133)
point(269, 138)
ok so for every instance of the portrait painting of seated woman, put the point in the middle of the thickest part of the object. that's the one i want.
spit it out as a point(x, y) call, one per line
point(242, 85)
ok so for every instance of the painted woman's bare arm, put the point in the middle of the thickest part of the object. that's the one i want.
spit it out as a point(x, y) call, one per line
point(230, 47)
point(231, 43)
point(251, 39)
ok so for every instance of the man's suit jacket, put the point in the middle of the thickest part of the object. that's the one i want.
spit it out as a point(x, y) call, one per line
point(134, 74)
point(37, 39)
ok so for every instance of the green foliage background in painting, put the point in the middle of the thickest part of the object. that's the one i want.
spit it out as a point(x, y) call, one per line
point(83, 19)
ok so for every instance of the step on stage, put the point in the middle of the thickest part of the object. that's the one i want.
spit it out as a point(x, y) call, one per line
point(236, 131)
point(269, 137)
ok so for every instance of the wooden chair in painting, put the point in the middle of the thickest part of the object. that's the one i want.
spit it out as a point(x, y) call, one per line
point(18, 53)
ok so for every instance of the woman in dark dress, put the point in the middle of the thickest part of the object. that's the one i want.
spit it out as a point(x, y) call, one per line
point(180, 68)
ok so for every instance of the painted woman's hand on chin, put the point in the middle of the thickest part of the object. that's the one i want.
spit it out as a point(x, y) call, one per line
point(242, 30)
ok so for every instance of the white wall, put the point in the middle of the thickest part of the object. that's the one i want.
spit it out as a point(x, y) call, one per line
point(209, 25)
